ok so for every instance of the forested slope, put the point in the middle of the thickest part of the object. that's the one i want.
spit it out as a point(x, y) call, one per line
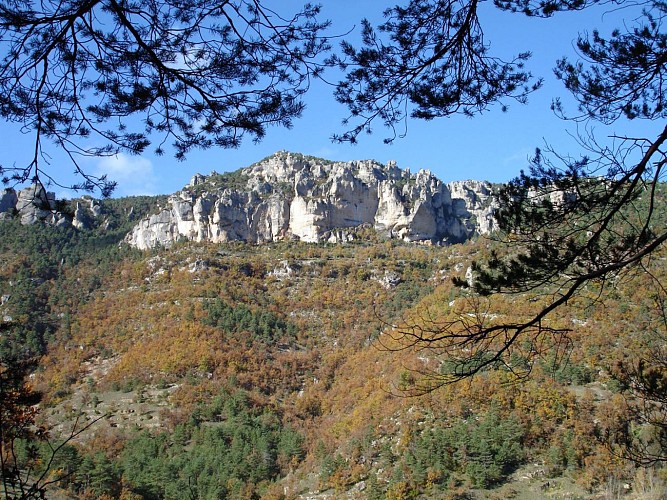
point(247, 371)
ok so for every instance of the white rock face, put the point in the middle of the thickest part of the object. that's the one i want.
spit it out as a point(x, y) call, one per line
point(35, 204)
point(474, 201)
point(292, 196)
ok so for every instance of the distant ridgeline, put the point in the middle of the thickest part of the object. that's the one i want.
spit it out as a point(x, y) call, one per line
point(288, 196)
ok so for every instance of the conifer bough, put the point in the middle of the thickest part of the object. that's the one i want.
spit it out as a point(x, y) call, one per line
point(102, 76)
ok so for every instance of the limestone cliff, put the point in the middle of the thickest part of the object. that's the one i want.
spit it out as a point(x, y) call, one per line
point(310, 199)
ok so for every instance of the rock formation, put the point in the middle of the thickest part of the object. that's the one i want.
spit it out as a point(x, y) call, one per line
point(314, 200)
point(34, 204)
point(8, 201)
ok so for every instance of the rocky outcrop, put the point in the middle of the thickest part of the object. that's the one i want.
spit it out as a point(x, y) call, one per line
point(8, 201)
point(314, 200)
point(34, 204)
point(473, 202)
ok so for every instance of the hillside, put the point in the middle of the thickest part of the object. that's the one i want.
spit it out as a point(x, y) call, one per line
point(236, 370)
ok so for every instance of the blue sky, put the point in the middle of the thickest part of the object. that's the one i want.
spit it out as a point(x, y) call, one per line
point(493, 146)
